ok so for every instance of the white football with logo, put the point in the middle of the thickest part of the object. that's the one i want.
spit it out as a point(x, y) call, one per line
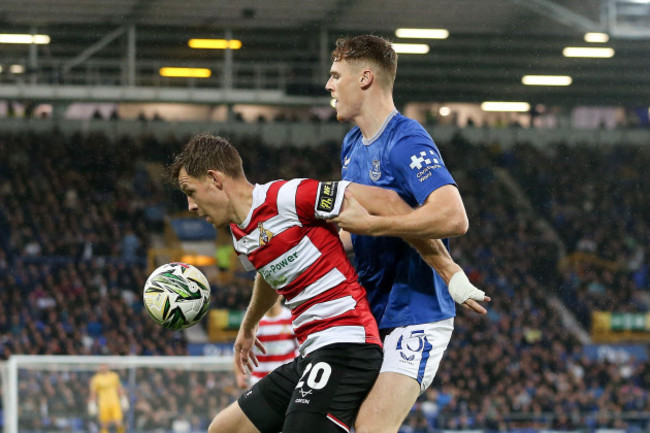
point(177, 295)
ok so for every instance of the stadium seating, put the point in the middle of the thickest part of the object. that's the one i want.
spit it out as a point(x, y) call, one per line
point(75, 232)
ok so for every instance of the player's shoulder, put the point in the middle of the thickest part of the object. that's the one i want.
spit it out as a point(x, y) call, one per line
point(404, 127)
point(405, 133)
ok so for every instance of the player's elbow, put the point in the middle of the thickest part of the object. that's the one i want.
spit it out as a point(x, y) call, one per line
point(459, 225)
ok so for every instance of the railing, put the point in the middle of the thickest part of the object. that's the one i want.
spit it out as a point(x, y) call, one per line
point(306, 133)
point(114, 72)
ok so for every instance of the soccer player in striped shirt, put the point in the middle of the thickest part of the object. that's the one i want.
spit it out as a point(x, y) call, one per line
point(276, 334)
point(279, 229)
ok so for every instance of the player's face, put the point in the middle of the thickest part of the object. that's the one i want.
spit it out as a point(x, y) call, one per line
point(344, 86)
point(204, 198)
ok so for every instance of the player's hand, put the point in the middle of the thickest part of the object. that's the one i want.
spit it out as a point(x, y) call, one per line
point(244, 356)
point(92, 408)
point(241, 380)
point(474, 306)
point(124, 402)
point(466, 294)
point(353, 217)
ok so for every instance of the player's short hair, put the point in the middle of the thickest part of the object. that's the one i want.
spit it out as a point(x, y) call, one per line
point(207, 152)
point(369, 48)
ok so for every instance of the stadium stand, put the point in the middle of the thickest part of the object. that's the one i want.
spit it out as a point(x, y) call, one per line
point(73, 261)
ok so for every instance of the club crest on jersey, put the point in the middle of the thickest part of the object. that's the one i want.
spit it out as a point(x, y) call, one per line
point(375, 170)
point(326, 196)
point(265, 235)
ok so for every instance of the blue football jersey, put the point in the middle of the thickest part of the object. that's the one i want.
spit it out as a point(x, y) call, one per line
point(402, 288)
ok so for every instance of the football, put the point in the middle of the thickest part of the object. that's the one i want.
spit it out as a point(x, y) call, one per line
point(177, 295)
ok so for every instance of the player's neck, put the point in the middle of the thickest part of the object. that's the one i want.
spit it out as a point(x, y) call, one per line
point(242, 201)
point(374, 115)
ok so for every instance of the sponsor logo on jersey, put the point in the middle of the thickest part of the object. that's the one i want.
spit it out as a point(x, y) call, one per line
point(303, 394)
point(375, 170)
point(346, 161)
point(268, 272)
point(424, 163)
point(265, 235)
point(326, 196)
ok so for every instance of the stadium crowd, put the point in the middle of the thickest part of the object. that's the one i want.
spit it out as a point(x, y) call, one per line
point(594, 198)
point(74, 234)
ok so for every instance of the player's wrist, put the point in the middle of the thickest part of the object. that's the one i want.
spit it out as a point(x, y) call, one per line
point(247, 330)
point(378, 225)
point(461, 289)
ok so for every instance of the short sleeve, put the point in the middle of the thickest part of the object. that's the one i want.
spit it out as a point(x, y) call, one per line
point(329, 198)
point(418, 165)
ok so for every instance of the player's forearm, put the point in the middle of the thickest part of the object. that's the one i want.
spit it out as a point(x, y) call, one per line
point(435, 254)
point(262, 300)
point(421, 222)
point(442, 216)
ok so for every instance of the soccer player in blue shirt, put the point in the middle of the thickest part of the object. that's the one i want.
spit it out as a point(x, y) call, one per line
point(413, 305)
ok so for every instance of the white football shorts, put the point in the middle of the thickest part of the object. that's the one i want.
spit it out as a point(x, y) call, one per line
point(416, 350)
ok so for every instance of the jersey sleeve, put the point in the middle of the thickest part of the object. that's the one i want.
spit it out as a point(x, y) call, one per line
point(419, 167)
point(320, 200)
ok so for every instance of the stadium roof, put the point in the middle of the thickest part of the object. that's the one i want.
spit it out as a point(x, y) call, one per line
point(286, 44)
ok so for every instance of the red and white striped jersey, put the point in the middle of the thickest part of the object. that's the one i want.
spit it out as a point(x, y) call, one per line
point(276, 333)
point(300, 255)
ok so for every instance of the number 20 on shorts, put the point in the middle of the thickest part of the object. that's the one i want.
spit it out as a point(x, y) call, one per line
point(317, 377)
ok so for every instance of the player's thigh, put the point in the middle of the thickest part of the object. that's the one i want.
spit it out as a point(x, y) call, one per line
point(232, 420)
point(311, 422)
point(334, 382)
point(417, 350)
point(388, 403)
point(265, 403)
point(109, 413)
point(117, 415)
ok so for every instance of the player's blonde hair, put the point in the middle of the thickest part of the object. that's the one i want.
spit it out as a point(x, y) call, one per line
point(369, 49)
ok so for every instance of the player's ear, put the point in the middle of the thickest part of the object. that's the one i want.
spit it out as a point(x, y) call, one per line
point(216, 177)
point(366, 78)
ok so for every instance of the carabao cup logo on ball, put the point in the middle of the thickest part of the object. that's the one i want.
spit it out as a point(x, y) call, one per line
point(177, 295)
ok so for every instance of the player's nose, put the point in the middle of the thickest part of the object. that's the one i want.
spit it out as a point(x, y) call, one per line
point(191, 205)
point(328, 86)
